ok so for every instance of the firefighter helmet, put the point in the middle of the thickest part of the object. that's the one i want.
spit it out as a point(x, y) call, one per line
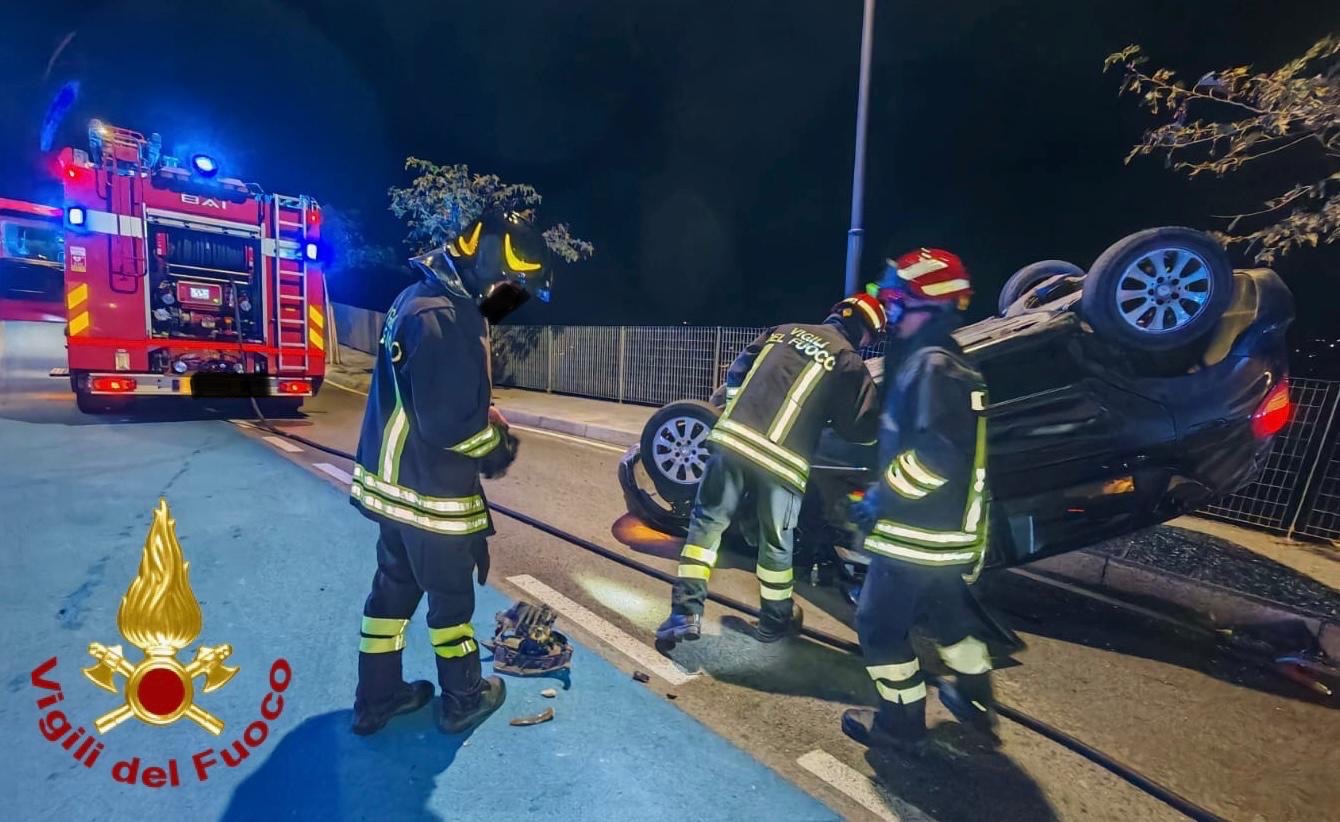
point(865, 308)
point(499, 261)
point(929, 275)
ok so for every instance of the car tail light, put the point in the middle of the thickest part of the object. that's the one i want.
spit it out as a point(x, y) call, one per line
point(292, 387)
point(1273, 412)
point(113, 385)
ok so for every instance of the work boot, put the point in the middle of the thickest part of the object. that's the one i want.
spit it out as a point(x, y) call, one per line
point(769, 630)
point(680, 627)
point(411, 697)
point(864, 726)
point(463, 713)
point(972, 703)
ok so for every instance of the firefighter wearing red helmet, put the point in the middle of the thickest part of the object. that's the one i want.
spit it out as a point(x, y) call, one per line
point(429, 432)
point(925, 519)
point(781, 392)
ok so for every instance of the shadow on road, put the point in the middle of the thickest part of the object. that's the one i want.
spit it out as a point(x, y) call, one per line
point(1045, 611)
point(320, 770)
point(958, 777)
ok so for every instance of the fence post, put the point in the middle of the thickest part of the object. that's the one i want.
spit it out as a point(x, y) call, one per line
point(716, 363)
point(1317, 459)
point(549, 358)
point(623, 345)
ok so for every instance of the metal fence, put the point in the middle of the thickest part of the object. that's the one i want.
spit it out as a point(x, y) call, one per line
point(1297, 493)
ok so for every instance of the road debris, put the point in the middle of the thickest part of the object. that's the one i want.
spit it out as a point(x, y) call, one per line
point(543, 716)
point(641, 677)
point(549, 693)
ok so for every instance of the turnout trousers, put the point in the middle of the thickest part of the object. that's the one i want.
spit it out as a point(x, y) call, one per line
point(410, 563)
point(728, 483)
point(895, 597)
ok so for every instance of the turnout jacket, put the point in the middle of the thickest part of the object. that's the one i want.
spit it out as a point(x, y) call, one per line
point(426, 425)
point(784, 389)
point(933, 503)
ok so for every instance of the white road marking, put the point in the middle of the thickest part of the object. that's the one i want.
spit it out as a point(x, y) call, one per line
point(859, 788)
point(242, 423)
point(335, 471)
point(604, 446)
point(345, 388)
point(282, 444)
point(645, 656)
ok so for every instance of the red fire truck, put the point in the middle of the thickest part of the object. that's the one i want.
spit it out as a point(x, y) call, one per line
point(180, 281)
point(32, 259)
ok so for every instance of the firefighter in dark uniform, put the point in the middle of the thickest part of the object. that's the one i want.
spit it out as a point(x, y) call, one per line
point(429, 431)
point(781, 392)
point(926, 519)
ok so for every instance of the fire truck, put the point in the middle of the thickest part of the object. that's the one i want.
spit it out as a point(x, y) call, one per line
point(180, 281)
point(32, 258)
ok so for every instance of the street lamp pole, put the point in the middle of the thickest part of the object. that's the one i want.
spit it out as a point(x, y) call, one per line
point(856, 232)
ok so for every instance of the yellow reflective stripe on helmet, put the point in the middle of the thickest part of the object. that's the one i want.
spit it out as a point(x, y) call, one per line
point(775, 576)
point(428, 522)
point(870, 315)
point(888, 693)
point(513, 261)
point(795, 398)
point(895, 671)
point(468, 247)
point(968, 656)
point(901, 484)
point(705, 555)
point(774, 594)
point(758, 457)
point(456, 651)
point(919, 473)
point(381, 644)
point(381, 626)
point(694, 572)
point(451, 633)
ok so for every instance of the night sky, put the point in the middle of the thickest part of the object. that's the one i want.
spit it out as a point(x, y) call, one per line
point(704, 147)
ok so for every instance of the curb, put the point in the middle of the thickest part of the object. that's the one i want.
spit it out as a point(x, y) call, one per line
point(600, 433)
point(1221, 607)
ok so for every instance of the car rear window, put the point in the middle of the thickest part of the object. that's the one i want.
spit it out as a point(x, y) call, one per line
point(33, 242)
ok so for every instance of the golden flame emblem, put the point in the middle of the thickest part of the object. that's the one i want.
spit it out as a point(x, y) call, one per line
point(160, 615)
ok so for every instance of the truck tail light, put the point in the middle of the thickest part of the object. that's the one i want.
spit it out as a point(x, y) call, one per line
point(1273, 412)
point(292, 387)
point(113, 385)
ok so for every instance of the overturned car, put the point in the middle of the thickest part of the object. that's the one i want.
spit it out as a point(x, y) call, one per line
point(1120, 397)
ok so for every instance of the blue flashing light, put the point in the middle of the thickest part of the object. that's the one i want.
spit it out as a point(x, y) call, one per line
point(311, 252)
point(76, 215)
point(204, 165)
point(544, 294)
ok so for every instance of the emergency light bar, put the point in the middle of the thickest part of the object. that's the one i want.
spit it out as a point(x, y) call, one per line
point(76, 216)
point(205, 165)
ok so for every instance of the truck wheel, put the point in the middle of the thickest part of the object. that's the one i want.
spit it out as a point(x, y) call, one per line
point(674, 448)
point(1159, 289)
point(1026, 278)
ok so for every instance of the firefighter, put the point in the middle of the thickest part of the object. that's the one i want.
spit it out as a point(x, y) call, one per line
point(781, 392)
point(926, 518)
point(429, 431)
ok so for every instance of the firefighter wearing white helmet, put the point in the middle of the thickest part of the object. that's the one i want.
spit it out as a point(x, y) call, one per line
point(782, 391)
point(429, 431)
point(925, 520)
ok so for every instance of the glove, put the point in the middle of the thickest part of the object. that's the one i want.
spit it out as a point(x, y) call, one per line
point(864, 513)
point(480, 551)
point(495, 463)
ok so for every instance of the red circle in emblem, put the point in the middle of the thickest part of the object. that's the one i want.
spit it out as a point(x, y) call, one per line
point(161, 692)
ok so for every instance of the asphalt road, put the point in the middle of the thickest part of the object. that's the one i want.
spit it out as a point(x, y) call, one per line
point(1235, 741)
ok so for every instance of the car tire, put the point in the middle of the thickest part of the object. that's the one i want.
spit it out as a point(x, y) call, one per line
point(674, 448)
point(1023, 280)
point(1159, 289)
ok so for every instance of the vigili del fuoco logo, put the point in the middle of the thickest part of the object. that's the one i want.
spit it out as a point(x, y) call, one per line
point(160, 616)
